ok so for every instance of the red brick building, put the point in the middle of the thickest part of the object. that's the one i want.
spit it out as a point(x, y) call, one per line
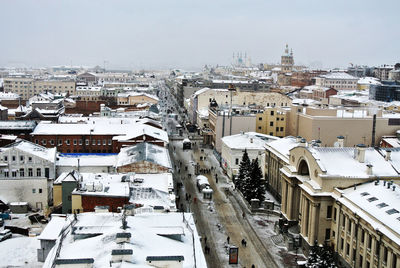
point(305, 78)
point(96, 138)
point(89, 202)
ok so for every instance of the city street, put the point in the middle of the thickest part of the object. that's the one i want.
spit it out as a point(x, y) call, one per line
point(225, 215)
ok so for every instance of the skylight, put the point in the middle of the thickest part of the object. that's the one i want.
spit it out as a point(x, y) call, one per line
point(392, 211)
point(382, 205)
point(371, 199)
point(364, 194)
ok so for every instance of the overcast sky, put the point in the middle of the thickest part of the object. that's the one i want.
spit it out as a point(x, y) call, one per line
point(189, 34)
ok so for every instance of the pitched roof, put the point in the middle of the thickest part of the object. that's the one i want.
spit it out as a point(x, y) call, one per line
point(48, 154)
point(144, 152)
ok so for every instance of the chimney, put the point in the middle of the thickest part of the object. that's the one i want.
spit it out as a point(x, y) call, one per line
point(388, 155)
point(340, 141)
point(369, 169)
point(360, 153)
point(298, 139)
point(303, 143)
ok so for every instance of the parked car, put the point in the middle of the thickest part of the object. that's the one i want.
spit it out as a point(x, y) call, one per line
point(5, 234)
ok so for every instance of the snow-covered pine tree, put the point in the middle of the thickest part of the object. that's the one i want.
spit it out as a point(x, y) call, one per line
point(244, 169)
point(255, 186)
point(320, 257)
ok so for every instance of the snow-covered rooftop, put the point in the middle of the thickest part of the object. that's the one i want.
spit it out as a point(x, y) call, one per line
point(201, 91)
point(368, 81)
point(48, 154)
point(341, 162)
point(54, 228)
point(148, 238)
point(248, 140)
point(281, 147)
point(376, 204)
point(127, 130)
point(144, 152)
point(86, 160)
point(17, 125)
point(338, 75)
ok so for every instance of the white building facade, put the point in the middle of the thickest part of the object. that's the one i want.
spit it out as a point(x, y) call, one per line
point(27, 171)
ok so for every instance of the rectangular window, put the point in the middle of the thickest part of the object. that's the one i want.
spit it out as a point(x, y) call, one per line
point(67, 142)
point(327, 234)
point(38, 172)
point(362, 236)
point(80, 142)
point(75, 142)
point(271, 124)
point(93, 142)
point(40, 190)
point(349, 226)
point(60, 142)
point(29, 159)
point(44, 142)
point(347, 249)
point(341, 244)
point(51, 142)
point(104, 142)
point(334, 214)
point(385, 255)
point(237, 161)
point(369, 242)
point(30, 172)
point(98, 142)
point(272, 113)
point(33, 191)
point(277, 128)
point(13, 158)
point(14, 173)
point(5, 158)
point(6, 174)
point(281, 129)
point(260, 119)
point(87, 142)
point(110, 142)
point(21, 172)
point(21, 158)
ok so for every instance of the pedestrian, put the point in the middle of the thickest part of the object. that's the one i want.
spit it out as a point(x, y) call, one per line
point(253, 266)
point(228, 239)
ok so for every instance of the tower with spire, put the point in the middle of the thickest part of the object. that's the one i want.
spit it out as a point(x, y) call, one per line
point(287, 60)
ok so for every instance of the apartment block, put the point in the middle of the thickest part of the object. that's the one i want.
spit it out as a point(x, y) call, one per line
point(27, 87)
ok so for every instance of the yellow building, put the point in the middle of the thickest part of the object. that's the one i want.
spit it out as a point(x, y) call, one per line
point(314, 187)
point(76, 203)
point(134, 98)
point(365, 225)
point(28, 87)
point(57, 195)
point(272, 121)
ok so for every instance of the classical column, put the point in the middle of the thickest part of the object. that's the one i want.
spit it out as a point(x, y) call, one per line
point(283, 205)
point(313, 220)
point(289, 211)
